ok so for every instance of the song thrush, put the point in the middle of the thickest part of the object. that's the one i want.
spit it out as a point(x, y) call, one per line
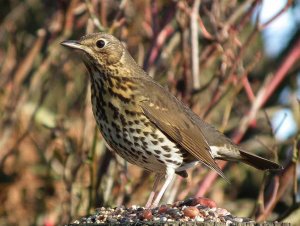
point(147, 125)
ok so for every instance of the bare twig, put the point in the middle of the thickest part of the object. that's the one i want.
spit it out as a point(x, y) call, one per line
point(285, 8)
point(93, 15)
point(161, 38)
point(195, 46)
point(271, 83)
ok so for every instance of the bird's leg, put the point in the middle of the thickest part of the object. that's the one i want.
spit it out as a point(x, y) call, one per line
point(168, 180)
point(154, 190)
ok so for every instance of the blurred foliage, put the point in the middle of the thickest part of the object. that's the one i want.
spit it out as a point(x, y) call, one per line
point(54, 165)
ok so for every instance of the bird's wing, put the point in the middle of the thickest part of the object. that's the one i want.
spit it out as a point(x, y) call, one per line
point(176, 121)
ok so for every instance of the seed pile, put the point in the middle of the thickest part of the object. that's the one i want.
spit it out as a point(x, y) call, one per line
point(191, 210)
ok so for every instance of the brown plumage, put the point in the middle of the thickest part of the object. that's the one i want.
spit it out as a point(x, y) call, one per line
point(147, 125)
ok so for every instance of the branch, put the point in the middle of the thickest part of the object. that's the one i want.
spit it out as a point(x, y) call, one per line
point(262, 97)
point(195, 46)
point(271, 83)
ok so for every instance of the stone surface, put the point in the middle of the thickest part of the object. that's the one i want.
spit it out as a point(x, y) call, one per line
point(193, 210)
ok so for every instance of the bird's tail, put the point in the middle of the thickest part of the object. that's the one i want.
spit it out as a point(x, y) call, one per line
point(245, 157)
point(259, 162)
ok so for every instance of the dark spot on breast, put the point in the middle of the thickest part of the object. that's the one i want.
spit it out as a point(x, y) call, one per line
point(146, 133)
point(124, 88)
point(121, 146)
point(154, 135)
point(170, 161)
point(144, 157)
point(109, 80)
point(128, 142)
point(166, 148)
point(161, 139)
point(100, 112)
point(147, 124)
point(115, 126)
point(145, 144)
point(161, 161)
point(132, 87)
point(123, 120)
point(155, 142)
point(138, 131)
point(148, 152)
point(117, 78)
point(119, 96)
point(100, 85)
point(114, 109)
point(132, 113)
point(157, 151)
point(167, 155)
point(133, 153)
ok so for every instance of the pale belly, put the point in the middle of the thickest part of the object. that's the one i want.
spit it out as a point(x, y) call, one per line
point(137, 140)
point(152, 151)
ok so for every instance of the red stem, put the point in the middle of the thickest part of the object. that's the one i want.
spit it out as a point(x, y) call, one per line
point(161, 38)
point(289, 61)
point(268, 90)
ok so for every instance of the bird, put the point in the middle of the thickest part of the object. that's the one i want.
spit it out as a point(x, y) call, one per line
point(145, 124)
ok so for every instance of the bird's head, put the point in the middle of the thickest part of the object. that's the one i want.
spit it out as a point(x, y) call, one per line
point(100, 48)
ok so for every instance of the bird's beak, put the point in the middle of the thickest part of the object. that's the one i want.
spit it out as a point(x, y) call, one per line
point(73, 44)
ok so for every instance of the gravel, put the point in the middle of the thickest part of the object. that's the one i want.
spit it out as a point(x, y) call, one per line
point(191, 210)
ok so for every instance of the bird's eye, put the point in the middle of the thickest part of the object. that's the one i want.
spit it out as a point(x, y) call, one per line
point(100, 43)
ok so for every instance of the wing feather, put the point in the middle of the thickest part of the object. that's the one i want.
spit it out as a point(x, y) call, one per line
point(176, 120)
